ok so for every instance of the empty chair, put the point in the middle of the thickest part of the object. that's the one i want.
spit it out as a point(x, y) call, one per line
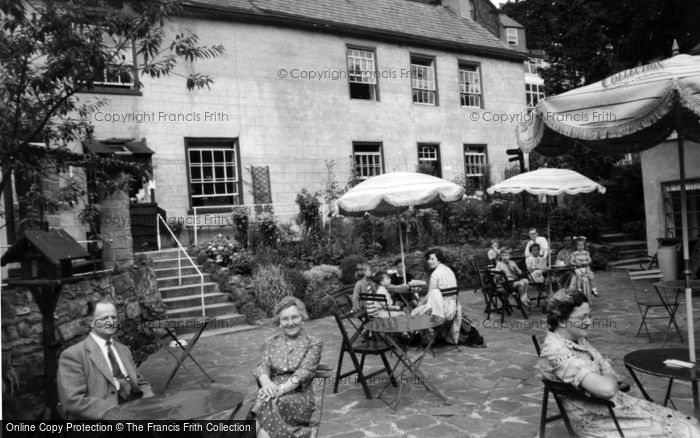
point(354, 344)
point(647, 297)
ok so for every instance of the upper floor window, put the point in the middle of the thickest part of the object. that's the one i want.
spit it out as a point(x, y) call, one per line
point(512, 36)
point(532, 64)
point(533, 94)
point(429, 157)
point(119, 73)
point(362, 74)
point(368, 159)
point(469, 85)
point(214, 172)
point(423, 80)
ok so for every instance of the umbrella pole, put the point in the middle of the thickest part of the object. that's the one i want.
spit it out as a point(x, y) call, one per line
point(686, 252)
point(403, 261)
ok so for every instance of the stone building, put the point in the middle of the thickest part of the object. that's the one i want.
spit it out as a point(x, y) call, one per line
point(374, 86)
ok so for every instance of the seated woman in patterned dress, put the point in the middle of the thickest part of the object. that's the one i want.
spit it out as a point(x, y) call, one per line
point(568, 357)
point(285, 373)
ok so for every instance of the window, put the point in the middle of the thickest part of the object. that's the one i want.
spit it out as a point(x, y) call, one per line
point(533, 94)
point(469, 85)
point(475, 164)
point(120, 72)
point(512, 36)
point(362, 75)
point(429, 155)
point(423, 80)
point(532, 64)
point(214, 172)
point(368, 159)
point(672, 208)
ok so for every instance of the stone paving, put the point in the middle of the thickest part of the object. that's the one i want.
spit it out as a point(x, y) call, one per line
point(494, 391)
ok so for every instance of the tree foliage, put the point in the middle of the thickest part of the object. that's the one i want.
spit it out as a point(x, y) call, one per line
point(51, 52)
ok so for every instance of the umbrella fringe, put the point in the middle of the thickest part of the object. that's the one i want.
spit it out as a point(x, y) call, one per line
point(662, 108)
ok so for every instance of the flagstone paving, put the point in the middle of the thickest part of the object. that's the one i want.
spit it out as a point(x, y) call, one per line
point(494, 392)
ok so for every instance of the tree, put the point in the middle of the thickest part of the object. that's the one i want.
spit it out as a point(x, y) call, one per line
point(51, 51)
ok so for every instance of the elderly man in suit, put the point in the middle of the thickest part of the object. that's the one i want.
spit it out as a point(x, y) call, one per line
point(98, 373)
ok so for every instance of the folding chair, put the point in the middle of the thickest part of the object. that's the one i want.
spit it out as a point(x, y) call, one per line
point(495, 294)
point(542, 292)
point(374, 298)
point(323, 372)
point(647, 297)
point(186, 353)
point(501, 282)
point(343, 298)
point(561, 390)
point(448, 293)
point(354, 345)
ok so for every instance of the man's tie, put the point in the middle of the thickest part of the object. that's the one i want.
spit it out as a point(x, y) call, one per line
point(124, 386)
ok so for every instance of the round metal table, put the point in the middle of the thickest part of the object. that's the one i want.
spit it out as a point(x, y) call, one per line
point(180, 405)
point(651, 362)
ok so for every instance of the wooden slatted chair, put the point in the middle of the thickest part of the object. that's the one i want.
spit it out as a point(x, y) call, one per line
point(647, 297)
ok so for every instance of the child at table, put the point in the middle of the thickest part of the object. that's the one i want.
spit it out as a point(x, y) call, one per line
point(536, 264)
point(377, 309)
point(581, 259)
point(364, 284)
point(493, 252)
point(512, 273)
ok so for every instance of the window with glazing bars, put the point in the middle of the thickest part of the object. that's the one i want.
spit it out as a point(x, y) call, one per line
point(423, 80)
point(368, 159)
point(672, 208)
point(120, 72)
point(362, 75)
point(474, 163)
point(429, 154)
point(469, 85)
point(533, 94)
point(214, 174)
point(532, 64)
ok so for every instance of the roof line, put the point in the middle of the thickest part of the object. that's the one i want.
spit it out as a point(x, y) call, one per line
point(294, 21)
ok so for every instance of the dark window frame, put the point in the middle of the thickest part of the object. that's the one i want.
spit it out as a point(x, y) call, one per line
point(380, 145)
point(438, 159)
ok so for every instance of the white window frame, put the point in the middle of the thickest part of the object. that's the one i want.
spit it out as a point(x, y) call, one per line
point(123, 56)
point(512, 36)
point(423, 81)
point(475, 160)
point(362, 69)
point(367, 163)
point(672, 214)
point(221, 171)
point(430, 153)
point(470, 85)
point(532, 64)
point(533, 94)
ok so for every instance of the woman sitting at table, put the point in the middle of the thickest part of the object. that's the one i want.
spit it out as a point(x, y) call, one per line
point(285, 373)
point(568, 357)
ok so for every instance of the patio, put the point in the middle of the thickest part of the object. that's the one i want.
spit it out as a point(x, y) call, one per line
point(494, 391)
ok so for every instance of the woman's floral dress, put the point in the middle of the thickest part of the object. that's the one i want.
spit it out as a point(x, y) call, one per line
point(565, 361)
point(285, 358)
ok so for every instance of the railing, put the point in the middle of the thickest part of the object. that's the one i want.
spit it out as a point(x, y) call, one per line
point(232, 208)
point(159, 219)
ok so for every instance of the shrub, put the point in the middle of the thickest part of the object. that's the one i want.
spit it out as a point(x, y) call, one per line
point(297, 281)
point(309, 216)
point(317, 301)
point(219, 249)
point(242, 262)
point(323, 272)
point(268, 230)
point(348, 267)
point(270, 286)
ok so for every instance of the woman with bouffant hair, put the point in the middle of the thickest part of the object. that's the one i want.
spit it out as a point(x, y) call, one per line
point(568, 357)
point(285, 373)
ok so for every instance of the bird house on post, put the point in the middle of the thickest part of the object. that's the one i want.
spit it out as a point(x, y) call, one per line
point(45, 254)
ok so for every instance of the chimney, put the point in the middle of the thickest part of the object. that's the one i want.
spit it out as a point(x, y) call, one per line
point(463, 8)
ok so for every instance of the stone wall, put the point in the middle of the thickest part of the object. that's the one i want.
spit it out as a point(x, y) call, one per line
point(138, 300)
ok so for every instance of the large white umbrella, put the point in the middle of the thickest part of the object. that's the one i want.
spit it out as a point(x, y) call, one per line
point(546, 181)
point(627, 112)
point(396, 192)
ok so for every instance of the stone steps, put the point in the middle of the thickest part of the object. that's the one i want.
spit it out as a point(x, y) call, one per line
point(179, 285)
point(611, 237)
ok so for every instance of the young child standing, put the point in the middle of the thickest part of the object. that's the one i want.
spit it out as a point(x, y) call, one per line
point(513, 273)
point(581, 259)
point(536, 264)
point(364, 285)
point(377, 309)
